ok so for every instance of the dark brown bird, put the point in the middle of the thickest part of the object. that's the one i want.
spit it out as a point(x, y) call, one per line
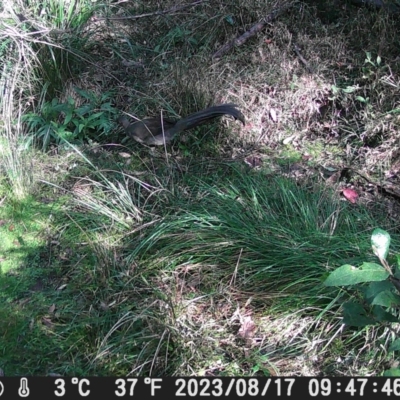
point(154, 131)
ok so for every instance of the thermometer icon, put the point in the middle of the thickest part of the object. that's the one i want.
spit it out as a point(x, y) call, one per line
point(23, 390)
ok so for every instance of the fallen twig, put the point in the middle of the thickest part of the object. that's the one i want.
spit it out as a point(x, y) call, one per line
point(383, 188)
point(253, 30)
point(302, 59)
point(162, 12)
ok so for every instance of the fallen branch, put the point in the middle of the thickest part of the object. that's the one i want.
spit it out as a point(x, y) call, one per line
point(389, 189)
point(302, 59)
point(253, 30)
point(163, 12)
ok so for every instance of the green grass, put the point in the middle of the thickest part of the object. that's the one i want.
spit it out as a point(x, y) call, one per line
point(276, 234)
point(126, 308)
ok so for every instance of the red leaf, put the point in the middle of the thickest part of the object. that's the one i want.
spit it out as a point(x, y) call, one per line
point(351, 195)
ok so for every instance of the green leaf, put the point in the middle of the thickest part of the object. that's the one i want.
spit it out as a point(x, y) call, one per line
point(394, 260)
point(81, 111)
point(395, 346)
point(380, 241)
point(229, 20)
point(107, 107)
point(355, 315)
point(68, 118)
point(349, 89)
point(85, 94)
point(392, 372)
point(374, 288)
point(81, 127)
point(95, 116)
point(349, 275)
point(62, 108)
point(386, 299)
point(335, 89)
point(383, 316)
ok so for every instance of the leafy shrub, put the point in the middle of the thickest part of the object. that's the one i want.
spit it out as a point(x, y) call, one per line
point(57, 122)
point(376, 297)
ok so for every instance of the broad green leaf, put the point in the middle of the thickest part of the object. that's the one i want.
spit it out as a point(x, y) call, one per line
point(392, 372)
point(397, 265)
point(395, 346)
point(383, 316)
point(68, 118)
point(380, 241)
point(374, 288)
point(349, 275)
point(355, 315)
point(386, 299)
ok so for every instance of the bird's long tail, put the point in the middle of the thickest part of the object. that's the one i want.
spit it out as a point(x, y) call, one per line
point(205, 115)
